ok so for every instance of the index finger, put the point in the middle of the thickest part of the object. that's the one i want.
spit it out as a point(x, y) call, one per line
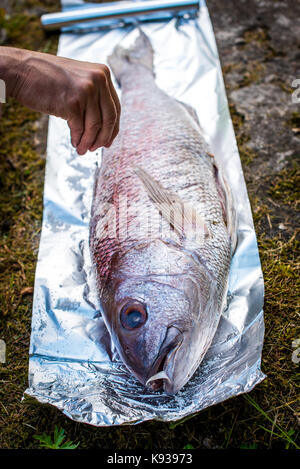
point(117, 104)
point(110, 116)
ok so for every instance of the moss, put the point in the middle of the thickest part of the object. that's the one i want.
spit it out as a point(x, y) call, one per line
point(247, 154)
point(25, 31)
point(285, 87)
point(258, 35)
point(15, 27)
point(286, 186)
point(21, 189)
point(254, 73)
point(294, 120)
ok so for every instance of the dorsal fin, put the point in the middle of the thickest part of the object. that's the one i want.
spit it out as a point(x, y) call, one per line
point(226, 199)
point(192, 112)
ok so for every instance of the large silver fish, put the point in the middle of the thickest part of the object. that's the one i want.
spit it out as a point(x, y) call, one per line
point(162, 230)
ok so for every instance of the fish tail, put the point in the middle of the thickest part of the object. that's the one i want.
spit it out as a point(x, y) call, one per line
point(140, 52)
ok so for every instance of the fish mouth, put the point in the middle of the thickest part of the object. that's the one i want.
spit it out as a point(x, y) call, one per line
point(160, 374)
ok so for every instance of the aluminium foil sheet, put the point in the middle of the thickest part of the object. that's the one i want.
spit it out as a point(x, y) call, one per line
point(73, 364)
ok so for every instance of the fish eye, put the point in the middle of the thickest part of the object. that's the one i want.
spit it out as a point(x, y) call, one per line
point(133, 315)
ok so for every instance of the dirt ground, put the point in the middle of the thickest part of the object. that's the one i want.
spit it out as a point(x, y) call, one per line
point(259, 47)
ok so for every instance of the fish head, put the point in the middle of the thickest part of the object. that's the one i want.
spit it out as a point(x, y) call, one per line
point(161, 326)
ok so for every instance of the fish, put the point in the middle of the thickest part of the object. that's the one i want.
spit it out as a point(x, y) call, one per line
point(162, 230)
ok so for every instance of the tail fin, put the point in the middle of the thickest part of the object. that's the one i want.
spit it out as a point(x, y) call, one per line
point(140, 52)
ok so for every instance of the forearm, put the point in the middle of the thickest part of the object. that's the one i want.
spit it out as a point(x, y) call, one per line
point(11, 63)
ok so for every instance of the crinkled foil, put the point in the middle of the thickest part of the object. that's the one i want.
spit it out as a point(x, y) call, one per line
point(72, 362)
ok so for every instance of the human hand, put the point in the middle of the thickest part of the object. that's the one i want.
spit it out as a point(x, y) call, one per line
point(82, 93)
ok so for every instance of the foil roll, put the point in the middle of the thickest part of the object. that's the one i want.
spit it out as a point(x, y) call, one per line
point(116, 13)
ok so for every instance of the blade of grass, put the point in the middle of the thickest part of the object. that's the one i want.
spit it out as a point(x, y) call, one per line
point(173, 425)
point(283, 435)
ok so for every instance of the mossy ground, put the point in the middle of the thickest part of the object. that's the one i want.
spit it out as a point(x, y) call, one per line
point(274, 199)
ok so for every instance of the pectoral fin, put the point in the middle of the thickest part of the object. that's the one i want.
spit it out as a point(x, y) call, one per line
point(182, 216)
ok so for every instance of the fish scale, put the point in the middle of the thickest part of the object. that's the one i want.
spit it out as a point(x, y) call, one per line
point(177, 283)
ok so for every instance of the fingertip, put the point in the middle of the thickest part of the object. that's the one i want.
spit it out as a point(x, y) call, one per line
point(75, 133)
point(76, 142)
point(74, 139)
point(81, 151)
point(94, 148)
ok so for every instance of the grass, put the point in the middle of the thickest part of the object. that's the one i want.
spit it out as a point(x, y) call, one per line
point(268, 417)
point(280, 433)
